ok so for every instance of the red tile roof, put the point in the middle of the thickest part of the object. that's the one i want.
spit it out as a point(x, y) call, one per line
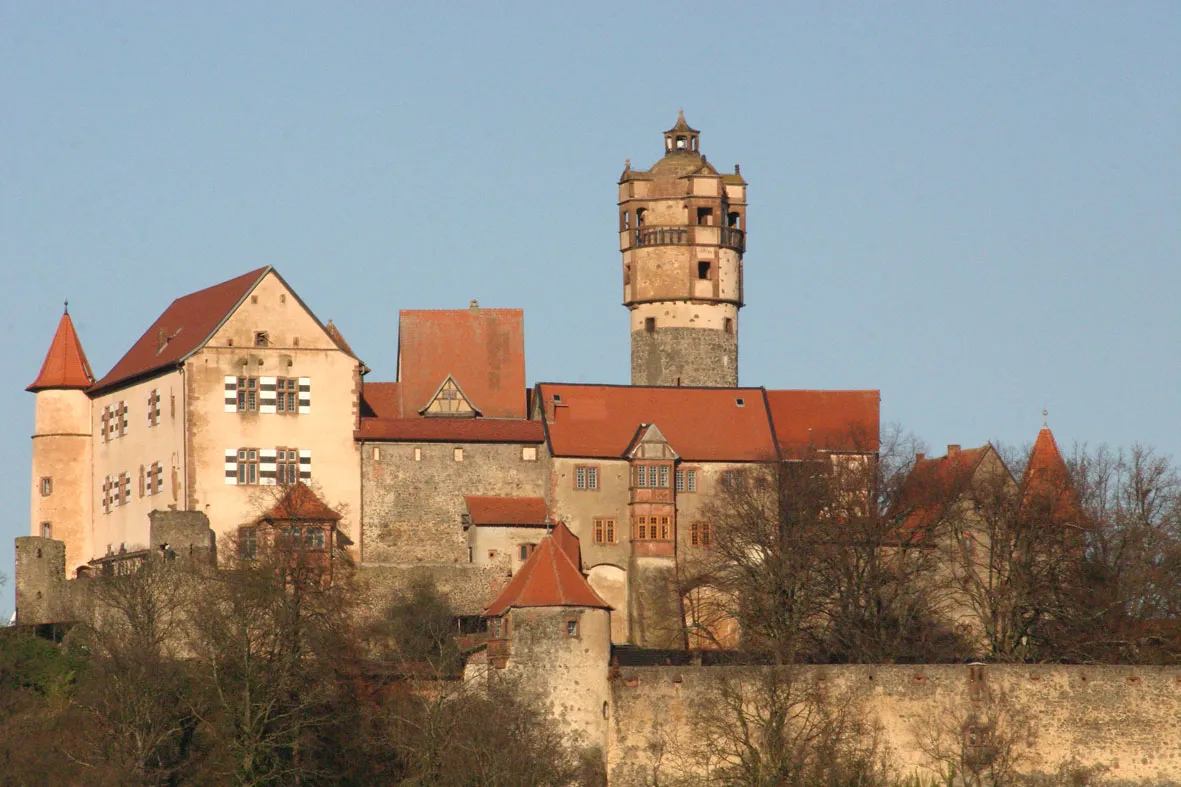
point(825, 420)
point(935, 484)
point(700, 424)
point(300, 503)
point(182, 329)
point(507, 510)
point(483, 349)
point(1046, 482)
point(380, 400)
point(451, 430)
point(548, 578)
point(65, 364)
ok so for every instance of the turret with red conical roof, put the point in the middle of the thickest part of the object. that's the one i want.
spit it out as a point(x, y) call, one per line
point(1046, 484)
point(65, 365)
point(551, 626)
point(62, 446)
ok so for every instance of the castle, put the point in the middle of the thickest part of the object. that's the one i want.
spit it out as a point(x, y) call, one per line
point(557, 512)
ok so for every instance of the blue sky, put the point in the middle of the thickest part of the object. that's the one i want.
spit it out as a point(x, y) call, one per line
point(972, 207)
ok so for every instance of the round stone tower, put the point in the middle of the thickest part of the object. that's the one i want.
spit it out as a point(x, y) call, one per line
point(682, 231)
point(61, 495)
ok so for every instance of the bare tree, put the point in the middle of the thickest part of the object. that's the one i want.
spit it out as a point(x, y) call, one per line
point(779, 727)
point(977, 742)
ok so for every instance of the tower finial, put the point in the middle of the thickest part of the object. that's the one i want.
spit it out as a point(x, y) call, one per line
point(1045, 419)
point(67, 307)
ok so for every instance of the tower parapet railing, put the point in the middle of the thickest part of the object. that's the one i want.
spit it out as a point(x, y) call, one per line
point(728, 237)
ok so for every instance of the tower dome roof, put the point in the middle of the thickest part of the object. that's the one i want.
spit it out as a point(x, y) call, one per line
point(65, 364)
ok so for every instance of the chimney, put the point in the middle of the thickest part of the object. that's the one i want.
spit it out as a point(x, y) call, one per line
point(920, 456)
point(474, 306)
point(953, 450)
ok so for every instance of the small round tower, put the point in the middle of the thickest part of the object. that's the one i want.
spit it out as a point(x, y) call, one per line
point(62, 447)
point(682, 232)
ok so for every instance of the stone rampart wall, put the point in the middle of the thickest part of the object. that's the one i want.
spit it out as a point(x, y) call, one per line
point(1124, 718)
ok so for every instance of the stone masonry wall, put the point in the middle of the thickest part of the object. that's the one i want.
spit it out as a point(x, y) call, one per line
point(1125, 718)
point(696, 356)
point(413, 508)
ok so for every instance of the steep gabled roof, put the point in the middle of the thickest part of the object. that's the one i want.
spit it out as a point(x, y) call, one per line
point(1046, 483)
point(380, 400)
point(933, 485)
point(65, 364)
point(842, 421)
point(507, 511)
point(182, 329)
point(702, 424)
point(300, 504)
point(548, 578)
point(483, 349)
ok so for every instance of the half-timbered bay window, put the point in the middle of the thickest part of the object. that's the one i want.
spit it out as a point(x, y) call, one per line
point(653, 528)
point(651, 476)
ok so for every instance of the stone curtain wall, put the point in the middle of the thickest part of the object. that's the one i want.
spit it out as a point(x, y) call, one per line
point(414, 508)
point(1126, 718)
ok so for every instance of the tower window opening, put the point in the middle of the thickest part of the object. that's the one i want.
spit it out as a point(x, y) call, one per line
point(682, 142)
point(734, 220)
point(705, 216)
point(46, 486)
point(626, 218)
point(703, 270)
point(640, 215)
point(46, 530)
point(627, 273)
point(728, 325)
point(262, 339)
point(650, 324)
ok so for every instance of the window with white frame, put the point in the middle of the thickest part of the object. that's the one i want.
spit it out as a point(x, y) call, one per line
point(650, 476)
point(586, 477)
point(247, 466)
point(286, 466)
point(686, 480)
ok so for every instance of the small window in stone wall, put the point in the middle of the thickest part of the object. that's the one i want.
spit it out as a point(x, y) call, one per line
point(650, 324)
point(376, 453)
point(572, 628)
point(46, 486)
point(417, 454)
point(46, 532)
point(458, 454)
point(526, 550)
point(529, 453)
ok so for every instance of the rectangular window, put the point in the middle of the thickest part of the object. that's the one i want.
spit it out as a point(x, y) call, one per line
point(586, 477)
point(705, 216)
point(46, 530)
point(46, 486)
point(154, 407)
point(417, 454)
point(143, 480)
point(247, 394)
point(286, 466)
point(106, 423)
point(571, 628)
point(529, 453)
point(700, 534)
point(604, 531)
point(457, 453)
point(247, 465)
point(703, 270)
point(733, 479)
point(654, 528)
point(664, 476)
point(247, 543)
point(262, 339)
point(665, 528)
point(686, 480)
point(525, 551)
point(121, 419)
point(124, 489)
point(107, 495)
point(642, 475)
point(287, 395)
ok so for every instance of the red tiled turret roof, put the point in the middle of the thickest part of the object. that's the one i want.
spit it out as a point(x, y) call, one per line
point(1046, 482)
point(548, 578)
point(182, 329)
point(65, 364)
